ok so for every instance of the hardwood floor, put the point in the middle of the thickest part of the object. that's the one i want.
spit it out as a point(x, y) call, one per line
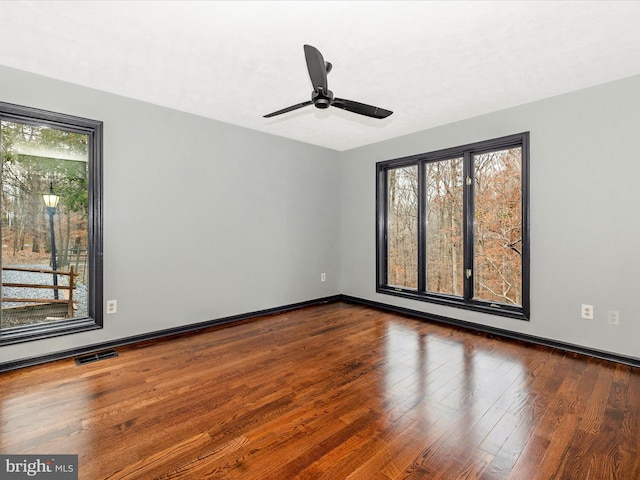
point(331, 392)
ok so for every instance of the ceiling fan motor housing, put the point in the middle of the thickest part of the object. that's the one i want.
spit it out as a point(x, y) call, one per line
point(321, 99)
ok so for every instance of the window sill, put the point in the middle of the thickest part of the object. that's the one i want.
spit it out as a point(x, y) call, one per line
point(13, 335)
point(499, 309)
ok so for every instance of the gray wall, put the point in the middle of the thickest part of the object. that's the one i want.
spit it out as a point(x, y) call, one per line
point(202, 219)
point(585, 197)
point(256, 219)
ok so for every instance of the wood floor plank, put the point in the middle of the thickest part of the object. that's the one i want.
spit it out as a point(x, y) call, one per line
point(149, 466)
point(330, 392)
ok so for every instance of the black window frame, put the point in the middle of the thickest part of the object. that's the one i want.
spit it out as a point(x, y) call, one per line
point(94, 130)
point(466, 301)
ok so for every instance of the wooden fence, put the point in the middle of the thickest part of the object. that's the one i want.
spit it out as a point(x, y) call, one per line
point(41, 308)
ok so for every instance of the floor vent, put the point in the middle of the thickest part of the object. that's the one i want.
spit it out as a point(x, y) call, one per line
point(96, 357)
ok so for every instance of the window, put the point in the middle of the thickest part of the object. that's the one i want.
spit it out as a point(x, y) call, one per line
point(452, 226)
point(51, 225)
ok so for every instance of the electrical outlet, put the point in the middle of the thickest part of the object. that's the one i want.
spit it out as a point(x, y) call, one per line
point(323, 277)
point(112, 306)
point(587, 311)
point(613, 317)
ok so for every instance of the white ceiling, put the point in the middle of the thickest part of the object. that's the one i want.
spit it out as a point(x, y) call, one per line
point(431, 62)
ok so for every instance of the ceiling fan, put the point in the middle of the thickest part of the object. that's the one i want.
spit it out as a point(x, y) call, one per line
point(322, 97)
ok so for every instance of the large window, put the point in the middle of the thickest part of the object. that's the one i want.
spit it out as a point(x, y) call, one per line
point(453, 226)
point(51, 224)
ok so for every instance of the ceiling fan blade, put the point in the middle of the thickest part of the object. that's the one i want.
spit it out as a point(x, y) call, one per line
point(317, 68)
point(289, 109)
point(361, 108)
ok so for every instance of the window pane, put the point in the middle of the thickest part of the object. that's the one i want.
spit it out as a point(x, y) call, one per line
point(498, 226)
point(42, 245)
point(402, 227)
point(444, 210)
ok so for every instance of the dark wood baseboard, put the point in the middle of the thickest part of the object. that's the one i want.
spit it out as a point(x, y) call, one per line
point(193, 328)
point(498, 332)
point(159, 334)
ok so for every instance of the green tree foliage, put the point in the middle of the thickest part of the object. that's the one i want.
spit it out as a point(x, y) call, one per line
point(33, 158)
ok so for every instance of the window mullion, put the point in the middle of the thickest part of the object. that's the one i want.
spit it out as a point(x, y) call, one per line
point(422, 228)
point(468, 227)
point(382, 221)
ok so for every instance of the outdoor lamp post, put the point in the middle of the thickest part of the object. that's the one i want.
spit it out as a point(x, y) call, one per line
point(51, 201)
